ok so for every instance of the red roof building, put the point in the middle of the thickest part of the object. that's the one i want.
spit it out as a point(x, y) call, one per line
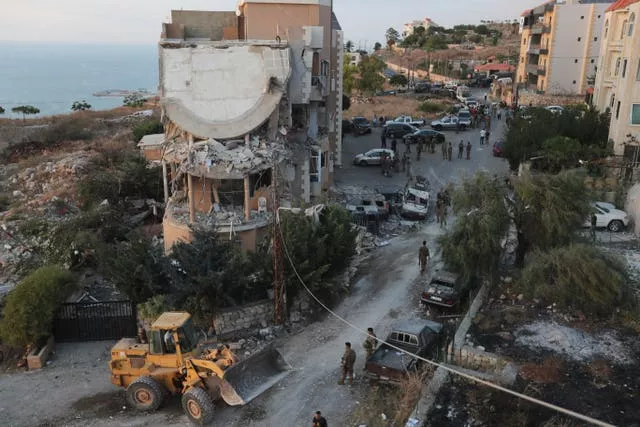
point(621, 4)
point(494, 68)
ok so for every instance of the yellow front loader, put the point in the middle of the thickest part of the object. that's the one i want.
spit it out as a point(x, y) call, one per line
point(175, 362)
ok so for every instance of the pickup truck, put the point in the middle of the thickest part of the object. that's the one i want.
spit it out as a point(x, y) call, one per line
point(410, 120)
point(417, 336)
point(451, 122)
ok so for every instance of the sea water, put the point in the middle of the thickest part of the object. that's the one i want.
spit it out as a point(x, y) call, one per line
point(52, 76)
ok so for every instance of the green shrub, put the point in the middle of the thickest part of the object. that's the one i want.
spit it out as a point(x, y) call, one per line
point(150, 310)
point(579, 277)
point(431, 107)
point(5, 202)
point(126, 175)
point(148, 127)
point(30, 307)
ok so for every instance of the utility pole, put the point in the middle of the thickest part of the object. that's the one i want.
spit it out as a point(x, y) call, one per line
point(278, 259)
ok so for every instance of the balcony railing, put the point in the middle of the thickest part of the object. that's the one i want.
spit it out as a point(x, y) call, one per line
point(539, 29)
point(536, 49)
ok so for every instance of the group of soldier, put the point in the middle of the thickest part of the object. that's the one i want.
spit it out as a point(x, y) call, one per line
point(443, 203)
point(402, 164)
point(349, 357)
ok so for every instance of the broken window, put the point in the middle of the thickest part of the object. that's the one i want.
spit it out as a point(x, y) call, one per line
point(299, 116)
point(314, 173)
point(324, 69)
point(259, 180)
point(231, 192)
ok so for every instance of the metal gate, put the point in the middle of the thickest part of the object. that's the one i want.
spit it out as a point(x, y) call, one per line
point(95, 321)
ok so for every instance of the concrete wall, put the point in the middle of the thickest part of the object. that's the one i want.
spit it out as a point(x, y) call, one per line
point(240, 319)
point(204, 24)
point(215, 92)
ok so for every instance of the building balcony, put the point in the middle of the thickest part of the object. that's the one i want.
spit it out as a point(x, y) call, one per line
point(319, 89)
point(540, 29)
point(532, 69)
point(537, 50)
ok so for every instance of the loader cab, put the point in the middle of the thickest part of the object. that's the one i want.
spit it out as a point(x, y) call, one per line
point(171, 337)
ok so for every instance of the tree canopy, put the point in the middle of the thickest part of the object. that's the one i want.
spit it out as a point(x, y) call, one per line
point(80, 106)
point(26, 110)
point(377, 46)
point(392, 36)
point(134, 100)
point(398, 80)
point(528, 131)
point(1, 110)
point(371, 78)
point(348, 76)
point(348, 46)
point(474, 245)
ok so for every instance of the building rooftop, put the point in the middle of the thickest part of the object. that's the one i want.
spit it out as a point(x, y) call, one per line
point(621, 4)
point(149, 141)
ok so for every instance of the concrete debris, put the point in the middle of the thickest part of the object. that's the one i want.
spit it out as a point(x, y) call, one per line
point(229, 155)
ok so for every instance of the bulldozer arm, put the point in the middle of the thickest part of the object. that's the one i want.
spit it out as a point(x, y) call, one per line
point(246, 380)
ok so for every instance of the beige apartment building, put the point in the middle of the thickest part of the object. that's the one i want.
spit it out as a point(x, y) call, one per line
point(408, 28)
point(618, 79)
point(251, 99)
point(560, 45)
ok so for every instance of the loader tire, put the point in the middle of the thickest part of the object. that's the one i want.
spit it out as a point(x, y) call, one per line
point(145, 394)
point(198, 406)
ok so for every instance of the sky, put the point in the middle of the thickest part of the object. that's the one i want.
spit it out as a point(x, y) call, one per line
point(138, 21)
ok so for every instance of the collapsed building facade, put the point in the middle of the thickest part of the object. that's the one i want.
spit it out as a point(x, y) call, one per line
point(251, 101)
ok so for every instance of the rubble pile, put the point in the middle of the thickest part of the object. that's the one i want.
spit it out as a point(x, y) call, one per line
point(38, 185)
point(231, 155)
point(228, 216)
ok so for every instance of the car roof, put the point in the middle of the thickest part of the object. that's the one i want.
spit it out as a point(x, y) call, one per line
point(446, 276)
point(415, 326)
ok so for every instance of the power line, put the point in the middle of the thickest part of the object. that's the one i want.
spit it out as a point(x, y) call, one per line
point(436, 364)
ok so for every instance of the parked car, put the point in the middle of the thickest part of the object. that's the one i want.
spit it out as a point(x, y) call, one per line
point(380, 203)
point(471, 102)
point(498, 148)
point(398, 130)
point(413, 121)
point(607, 216)
point(347, 127)
point(420, 337)
point(422, 88)
point(424, 135)
point(446, 289)
point(393, 195)
point(448, 122)
point(361, 126)
point(555, 109)
point(372, 157)
point(464, 117)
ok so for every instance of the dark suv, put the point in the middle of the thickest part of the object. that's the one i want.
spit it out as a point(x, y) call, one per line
point(398, 130)
point(361, 125)
point(447, 289)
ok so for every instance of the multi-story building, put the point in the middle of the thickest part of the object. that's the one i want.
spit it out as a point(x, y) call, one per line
point(560, 45)
point(408, 28)
point(618, 79)
point(251, 99)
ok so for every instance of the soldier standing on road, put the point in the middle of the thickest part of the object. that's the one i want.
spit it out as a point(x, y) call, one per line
point(348, 360)
point(319, 420)
point(370, 343)
point(443, 217)
point(460, 149)
point(432, 144)
point(423, 256)
point(483, 134)
point(444, 151)
point(409, 169)
point(439, 209)
point(394, 146)
point(419, 150)
point(486, 138)
point(468, 150)
point(594, 222)
point(383, 163)
point(383, 139)
point(449, 151)
point(405, 157)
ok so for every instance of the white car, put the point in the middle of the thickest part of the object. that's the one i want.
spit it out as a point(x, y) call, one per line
point(555, 109)
point(372, 157)
point(607, 216)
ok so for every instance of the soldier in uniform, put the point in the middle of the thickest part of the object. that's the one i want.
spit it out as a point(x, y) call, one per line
point(348, 360)
point(444, 151)
point(460, 149)
point(405, 158)
point(449, 151)
point(423, 256)
point(468, 150)
point(419, 150)
point(370, 343)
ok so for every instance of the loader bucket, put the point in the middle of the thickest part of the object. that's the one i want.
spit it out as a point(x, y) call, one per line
point(253, 376)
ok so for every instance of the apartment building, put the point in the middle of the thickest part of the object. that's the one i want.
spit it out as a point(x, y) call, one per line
point(560, 45)
point(408, 28)
point(618, 79)
point(251, 99)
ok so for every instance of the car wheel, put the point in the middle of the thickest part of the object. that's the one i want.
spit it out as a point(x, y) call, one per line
point(363, 163)
point(615, 226)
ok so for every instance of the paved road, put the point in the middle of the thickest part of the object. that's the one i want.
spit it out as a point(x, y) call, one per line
point(386, 291)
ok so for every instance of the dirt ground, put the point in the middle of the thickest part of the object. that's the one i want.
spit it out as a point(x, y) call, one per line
point(392, 106)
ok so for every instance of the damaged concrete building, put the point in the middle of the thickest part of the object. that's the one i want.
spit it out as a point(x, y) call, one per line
point(250, 98)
